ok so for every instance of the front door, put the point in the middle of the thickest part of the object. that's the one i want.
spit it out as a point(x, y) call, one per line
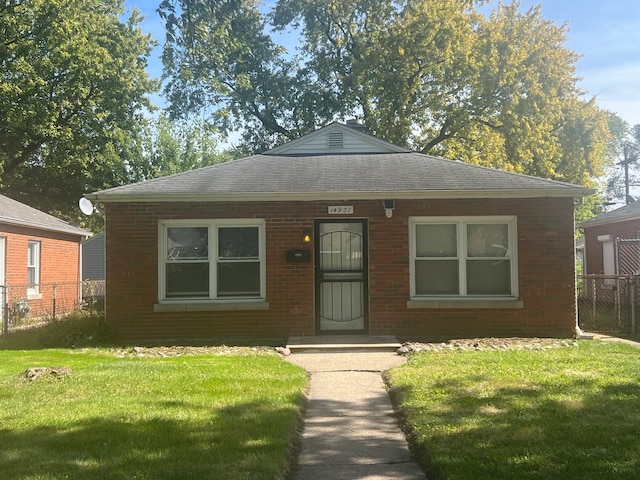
point(342, 301)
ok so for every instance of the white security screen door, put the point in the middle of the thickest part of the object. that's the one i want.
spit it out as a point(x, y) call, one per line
point(341, 276)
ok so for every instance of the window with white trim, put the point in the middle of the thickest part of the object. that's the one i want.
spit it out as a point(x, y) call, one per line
point(463, 257)
point(211, 260)
point(33, 266)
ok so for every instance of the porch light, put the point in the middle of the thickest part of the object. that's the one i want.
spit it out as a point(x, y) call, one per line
point(389, 207)
point(306, 235)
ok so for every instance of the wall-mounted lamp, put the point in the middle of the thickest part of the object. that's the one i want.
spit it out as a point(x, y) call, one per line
point(306, 235)
point(389, 207)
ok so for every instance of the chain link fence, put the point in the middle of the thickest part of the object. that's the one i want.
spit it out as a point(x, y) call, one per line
point(609, 303)
point(606, 303)
point(23, 306)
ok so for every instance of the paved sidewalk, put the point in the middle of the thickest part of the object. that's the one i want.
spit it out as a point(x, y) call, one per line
point(351, 431)
point(607, 338)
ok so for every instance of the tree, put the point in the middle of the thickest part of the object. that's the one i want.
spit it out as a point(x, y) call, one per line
point(73, 91)
point(439, 77)
point(169, 147)
point(219, 62)
point(436, 76)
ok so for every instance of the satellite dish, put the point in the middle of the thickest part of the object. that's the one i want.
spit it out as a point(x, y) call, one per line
point(86, 206)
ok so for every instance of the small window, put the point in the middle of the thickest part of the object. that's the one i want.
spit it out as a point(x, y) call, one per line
point(212, 260)
point(463, 257)
point(33, 267)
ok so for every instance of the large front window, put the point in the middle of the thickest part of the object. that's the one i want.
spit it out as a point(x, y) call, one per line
point(212, 260)
point(463, 257)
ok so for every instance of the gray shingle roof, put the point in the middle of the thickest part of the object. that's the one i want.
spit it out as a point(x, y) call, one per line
point(16, 213)
point(351, 176)
point(622, 214)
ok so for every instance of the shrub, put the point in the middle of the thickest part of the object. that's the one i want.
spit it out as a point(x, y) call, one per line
point(77, 330)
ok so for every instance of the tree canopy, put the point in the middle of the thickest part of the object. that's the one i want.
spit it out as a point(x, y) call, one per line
point(169, 147)
point(438, 76)
point(73, 93)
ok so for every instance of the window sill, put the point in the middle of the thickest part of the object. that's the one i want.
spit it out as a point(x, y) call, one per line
point(465, 304)
point(210, 307)
point(34, 296)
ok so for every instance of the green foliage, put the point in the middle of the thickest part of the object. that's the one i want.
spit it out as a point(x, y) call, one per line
point(73, 90)
point(590, 207)
point(436, 76)
point(220, 62)
point(564, 413)
point(76, 330)
point(170, 147)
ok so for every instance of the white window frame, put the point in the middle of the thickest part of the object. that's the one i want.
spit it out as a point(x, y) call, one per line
point(461, 238)
point(33, 288)
point(213, 226)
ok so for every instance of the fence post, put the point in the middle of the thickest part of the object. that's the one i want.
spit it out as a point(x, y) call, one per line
point(632, 298)
point(617, 301)
point(54, 301)
point(594, 292)
point(5, 311)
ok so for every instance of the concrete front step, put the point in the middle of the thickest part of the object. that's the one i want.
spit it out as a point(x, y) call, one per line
point(342, 343)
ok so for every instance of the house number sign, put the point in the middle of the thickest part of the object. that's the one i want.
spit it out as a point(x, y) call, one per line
point(340, 209)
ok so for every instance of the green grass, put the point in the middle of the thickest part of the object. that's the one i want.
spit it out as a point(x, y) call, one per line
point(565, 413)
point(192, 416)
point(76, 330)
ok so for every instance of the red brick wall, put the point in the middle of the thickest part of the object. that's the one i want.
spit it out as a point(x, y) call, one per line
point(545, 269)
point(593, 247)
point(59, 263)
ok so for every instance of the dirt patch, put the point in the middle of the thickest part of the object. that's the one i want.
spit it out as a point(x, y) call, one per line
point(38, 373)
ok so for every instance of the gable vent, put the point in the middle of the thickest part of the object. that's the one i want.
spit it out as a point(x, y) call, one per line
point(336, 140)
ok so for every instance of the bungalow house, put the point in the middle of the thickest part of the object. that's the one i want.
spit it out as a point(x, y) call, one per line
point(37, 251)
point(600, 235)
point(338, 232)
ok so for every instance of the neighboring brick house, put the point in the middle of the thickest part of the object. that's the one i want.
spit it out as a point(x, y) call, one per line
point(37, 251)
point(340, 233)
point(600, 234)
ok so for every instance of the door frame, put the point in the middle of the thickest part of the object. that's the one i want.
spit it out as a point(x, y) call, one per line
point(318, 275)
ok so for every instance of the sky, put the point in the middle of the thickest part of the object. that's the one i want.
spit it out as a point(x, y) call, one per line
point(606, 33)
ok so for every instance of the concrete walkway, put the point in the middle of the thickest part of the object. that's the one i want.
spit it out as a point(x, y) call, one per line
point(351, 431)
point(608, 338)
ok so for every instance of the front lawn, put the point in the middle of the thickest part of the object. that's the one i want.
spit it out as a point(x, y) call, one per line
point(570, 412)
point(148, 414)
